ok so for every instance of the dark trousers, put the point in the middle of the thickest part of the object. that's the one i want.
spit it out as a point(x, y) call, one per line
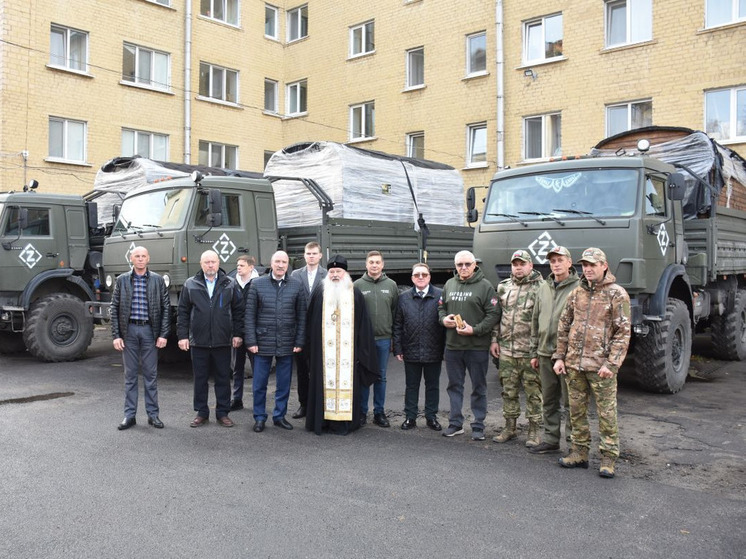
point(214, 361)
point(301, 368)
point(238, 370)
point(140, 353)
point(413, 374)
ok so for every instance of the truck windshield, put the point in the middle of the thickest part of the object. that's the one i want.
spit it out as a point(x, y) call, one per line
point(567, 195)
point(160, 209)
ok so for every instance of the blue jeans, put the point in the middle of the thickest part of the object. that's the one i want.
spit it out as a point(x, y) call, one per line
point(383, 349)
point(283, 375)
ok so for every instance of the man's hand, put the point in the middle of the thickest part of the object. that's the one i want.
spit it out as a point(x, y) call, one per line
point(450, 321)
point(119, 344)
point(559, 367)
point(184, 344)
point(535, 363)
point(297, 349)
point(465, 330)
point(400, 357)
point(495, 350)
point(253, 348)
point(237, 342)
point(605, 372)
point(160, 343)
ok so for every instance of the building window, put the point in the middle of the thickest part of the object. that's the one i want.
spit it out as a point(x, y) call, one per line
point(542, 38)
point(416, 67)
point(628, 21)
point(476, 54)
point(144, 144)
point(146, 67)
point(297, 102)
point(725, 113)
point(218, 83)
point(270, 96)
point(270, 22)
point(628, 116)
point(416, 145)
point(67, 140)
point(476, 145)
point(218, 155)
point(221, 10)
point(722, 12)
point(297, 23)
point(362, 39)
point(68, 48)
point(362, 121)
point(161, 2)
point(542, 136)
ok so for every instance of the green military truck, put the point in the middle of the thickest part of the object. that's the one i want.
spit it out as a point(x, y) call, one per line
point(671, 217)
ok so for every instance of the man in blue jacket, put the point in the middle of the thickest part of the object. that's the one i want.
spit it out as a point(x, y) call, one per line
point(275, 326)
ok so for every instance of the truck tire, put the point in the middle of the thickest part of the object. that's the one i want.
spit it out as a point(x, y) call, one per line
point(662, 357)
point(11, 342)
point(58, 328)
point(728, 333)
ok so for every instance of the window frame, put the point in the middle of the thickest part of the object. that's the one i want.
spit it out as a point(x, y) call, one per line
point(275, 94)
point(735, 17)
point(152, 83)
point(66, 157)
point(225, 9)
point(542, 21)
point(546, 136)
point(408, 68)
point(471, 131)
point(223, 148)
point(733, 94)
point(628, 105)
point(471, 72)
point(364, 39)
point(301, 95)
point(300, 11)
point(630, 25)
point(164, 3)
point(276, 21)
point(412, 139)
point(364, 109)
point(66, 65)
point(151, 140)
point(225, 72)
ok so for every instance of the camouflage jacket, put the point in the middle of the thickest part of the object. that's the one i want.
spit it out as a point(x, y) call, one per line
point(520, 304)
point(594, 328)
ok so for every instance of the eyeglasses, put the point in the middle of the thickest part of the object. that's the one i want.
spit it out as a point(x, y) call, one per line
point(420, 275)
point(464, 264)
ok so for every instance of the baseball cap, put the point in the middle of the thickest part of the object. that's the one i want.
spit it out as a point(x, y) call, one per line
point(521, 255)
point(593, 255)
point(562, 251)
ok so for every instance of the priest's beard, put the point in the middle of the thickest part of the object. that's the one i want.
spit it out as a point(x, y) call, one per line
point(334, 291)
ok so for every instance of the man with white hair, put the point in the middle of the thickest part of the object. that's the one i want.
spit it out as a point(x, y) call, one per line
point(341, 353)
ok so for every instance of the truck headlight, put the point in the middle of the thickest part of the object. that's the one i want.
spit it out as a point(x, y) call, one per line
point(167, 280)
point(109, 280)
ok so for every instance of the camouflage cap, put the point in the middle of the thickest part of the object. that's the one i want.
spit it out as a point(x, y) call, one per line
point(593, 255)
point(562, 251)
point(521, 255)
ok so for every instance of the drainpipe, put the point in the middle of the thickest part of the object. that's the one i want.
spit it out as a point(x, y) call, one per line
point(188, 83)
point(500, 71)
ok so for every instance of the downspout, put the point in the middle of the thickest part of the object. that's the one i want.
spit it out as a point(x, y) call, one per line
point(500, 70)
point(188, 82)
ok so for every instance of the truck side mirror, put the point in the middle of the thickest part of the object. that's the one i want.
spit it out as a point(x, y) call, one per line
point(472, 214)
point(115, 211)
point(22, 219)
point(215, 206)
point(676, 186)
point(92, 209)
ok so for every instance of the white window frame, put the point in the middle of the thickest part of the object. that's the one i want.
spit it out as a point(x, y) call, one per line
point(735, 16)
point(274, 18)
point(295, 31)
point(65, 60)
point(275, 94)
point(229, 8)
point(470, 71)
point(66, 156)
point(363, 117)
point(547, 134)
point(413, 138)
point(360, 36)
point(628, 105)
point(224, 75)
point(134, 137)
point(151, 82)
point(541, 23)
point(166, 3)
point(411, 54)
point(732, 134)
point(296, 101)
point(215, 148)
point(473, 157)
point(634, 32)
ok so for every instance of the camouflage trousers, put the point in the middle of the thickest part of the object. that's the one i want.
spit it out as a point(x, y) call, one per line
point(513, 372)
point(580, 385)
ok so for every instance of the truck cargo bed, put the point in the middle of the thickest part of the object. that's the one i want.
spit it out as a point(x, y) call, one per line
point(726, 231)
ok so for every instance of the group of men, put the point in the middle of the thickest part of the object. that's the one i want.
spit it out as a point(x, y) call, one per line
point(560, 338)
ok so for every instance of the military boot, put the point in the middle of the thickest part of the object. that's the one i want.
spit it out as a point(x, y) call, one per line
point(534, 438)
point(578, 458)
point(508, 433)
point(607, 466)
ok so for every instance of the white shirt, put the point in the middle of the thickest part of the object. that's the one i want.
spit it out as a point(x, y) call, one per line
point(311, 277)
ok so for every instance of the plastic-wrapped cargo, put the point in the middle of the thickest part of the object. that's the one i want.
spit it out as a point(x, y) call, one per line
point(364, 184)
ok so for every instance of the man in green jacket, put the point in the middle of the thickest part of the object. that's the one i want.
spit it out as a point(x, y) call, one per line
point(468, 309)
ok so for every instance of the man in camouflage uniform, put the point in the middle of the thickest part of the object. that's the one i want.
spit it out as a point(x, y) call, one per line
point(592, 341)
point(515, 340)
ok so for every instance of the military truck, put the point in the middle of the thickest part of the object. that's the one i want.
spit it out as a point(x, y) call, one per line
point(671, 217)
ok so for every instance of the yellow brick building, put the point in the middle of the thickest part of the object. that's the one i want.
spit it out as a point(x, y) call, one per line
point(472, 84)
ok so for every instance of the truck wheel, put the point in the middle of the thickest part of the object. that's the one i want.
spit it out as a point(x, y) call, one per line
point(728, 333)
point(58, 329)
point(11, 342)
point(662, 357)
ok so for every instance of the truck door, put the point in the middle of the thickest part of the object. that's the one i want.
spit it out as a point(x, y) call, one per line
point(658, 234)
point(226, 239)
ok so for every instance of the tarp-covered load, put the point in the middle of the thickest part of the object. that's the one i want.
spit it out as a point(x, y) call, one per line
point(364, 184)
point(720, 167)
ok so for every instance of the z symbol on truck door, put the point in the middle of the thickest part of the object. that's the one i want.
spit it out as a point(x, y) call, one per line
point(663, 239)
point(224, 247)
point(30, 256)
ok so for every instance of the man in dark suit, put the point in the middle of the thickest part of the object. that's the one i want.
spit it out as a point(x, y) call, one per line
point(311, 276)
point(245, 272)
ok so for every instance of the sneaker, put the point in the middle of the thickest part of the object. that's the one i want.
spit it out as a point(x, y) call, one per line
point(477, 435)
point(544, 448)
point(453, 430)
